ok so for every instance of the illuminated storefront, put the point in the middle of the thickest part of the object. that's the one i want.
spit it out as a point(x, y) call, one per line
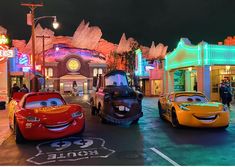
point(150, 74)
point(5, 54)
point(199, 67)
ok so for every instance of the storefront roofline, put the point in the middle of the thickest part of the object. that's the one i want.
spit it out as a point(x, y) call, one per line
point(186, 55)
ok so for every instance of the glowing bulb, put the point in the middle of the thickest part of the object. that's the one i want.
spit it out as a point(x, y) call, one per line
point(190, 69)
point(227, 68)
point(55, 24)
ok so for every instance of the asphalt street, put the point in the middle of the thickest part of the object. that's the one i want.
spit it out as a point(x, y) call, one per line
point(150, 142)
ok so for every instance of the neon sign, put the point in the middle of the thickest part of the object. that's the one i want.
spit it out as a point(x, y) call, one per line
point(24, 59)
point(4, 40)
point(5, 53)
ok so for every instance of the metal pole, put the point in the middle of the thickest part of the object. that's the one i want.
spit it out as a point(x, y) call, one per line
point(33, 51)
point(33, 6)
point(43, 61)
point(43, 57)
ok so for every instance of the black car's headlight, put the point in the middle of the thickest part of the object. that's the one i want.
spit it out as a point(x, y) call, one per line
point(32, 119)
point(225, 108)
point(77, 114)
point(183, 108)
point(107, 97)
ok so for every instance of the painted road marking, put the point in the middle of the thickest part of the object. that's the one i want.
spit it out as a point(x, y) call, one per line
point(70, 149)
point(164, 156)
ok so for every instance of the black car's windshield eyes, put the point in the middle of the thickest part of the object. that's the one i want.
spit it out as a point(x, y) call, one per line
point(116, 80)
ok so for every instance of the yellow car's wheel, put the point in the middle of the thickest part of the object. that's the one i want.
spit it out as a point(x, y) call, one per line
point(160, 110)
point(174, 119)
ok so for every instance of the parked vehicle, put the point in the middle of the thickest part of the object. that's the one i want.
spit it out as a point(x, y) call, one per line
point(192, 109)
point(114, 100)
point(44, 115)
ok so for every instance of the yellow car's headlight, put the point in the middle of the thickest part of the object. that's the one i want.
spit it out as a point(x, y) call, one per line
point(183, 108)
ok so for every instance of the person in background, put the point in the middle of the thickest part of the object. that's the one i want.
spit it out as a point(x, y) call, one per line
point(195, 87)
point(230, 94)
point(24, 89)
point(225, 93)
point(14, 89)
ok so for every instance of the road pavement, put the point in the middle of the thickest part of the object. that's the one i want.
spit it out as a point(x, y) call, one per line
point(150, 142)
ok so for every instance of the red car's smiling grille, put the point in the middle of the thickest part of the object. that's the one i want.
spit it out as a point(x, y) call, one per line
point(58, 127)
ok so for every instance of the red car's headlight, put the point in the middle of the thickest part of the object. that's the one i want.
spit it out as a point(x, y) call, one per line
point(77, 114)
point(32, 119)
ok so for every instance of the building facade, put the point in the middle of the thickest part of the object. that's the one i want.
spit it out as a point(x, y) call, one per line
point(67, 67)
point(199, 67)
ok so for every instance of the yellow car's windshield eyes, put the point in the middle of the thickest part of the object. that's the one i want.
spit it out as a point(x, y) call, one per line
point(194, 98)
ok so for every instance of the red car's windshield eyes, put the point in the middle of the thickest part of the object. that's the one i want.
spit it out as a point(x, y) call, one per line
point(38, 101)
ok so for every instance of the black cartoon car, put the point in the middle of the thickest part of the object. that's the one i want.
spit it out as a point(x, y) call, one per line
point(115, 101)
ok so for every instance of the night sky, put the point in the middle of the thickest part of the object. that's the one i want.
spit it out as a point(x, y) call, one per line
point(164, 21)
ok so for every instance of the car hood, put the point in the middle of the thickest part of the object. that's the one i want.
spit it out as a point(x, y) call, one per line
point(202, 107)
point(55, 115)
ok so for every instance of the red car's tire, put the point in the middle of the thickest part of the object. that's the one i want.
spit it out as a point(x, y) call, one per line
point(19, 138)
point(93, 110)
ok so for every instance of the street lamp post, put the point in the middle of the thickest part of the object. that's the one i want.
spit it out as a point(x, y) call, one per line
point(32, 7)
point(43, 58)
point(33, 22)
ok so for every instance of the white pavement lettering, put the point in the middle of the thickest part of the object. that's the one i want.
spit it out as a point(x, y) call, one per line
point(164, 156)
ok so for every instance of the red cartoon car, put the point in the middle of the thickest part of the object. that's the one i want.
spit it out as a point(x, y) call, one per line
point(44, 115)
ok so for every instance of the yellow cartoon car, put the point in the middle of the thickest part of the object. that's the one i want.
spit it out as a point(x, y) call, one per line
point(192, 109)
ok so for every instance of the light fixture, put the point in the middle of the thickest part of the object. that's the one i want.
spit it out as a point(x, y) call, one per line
point(190, 69)
point(210, 68)
point(227, 68)
point(55, 23)
point(57, 48)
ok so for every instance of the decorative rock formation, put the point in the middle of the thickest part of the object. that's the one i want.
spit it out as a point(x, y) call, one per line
point(157, 52)
point(39, 31)
point(124, 44)
point(86, 37)
point(105, 47)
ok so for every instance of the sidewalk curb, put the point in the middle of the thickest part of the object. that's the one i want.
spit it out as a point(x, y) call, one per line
point(6, 135)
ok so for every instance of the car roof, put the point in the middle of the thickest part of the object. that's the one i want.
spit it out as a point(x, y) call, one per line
point(41, 93)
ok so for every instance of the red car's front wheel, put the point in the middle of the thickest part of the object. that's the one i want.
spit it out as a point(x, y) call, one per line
point(19, 138)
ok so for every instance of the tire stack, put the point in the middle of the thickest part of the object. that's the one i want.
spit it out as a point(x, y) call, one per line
point(2, 105)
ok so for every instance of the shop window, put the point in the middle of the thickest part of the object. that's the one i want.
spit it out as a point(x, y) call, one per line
point(50, 72)
point(95, 72)
point(46, 71)
point(100, 71)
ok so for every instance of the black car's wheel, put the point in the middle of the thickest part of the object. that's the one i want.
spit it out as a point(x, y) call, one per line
point(135, 121)
point(19, 138)
point(104, 121)
point(93, 110)
point(160, 110)
point(174, 119)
